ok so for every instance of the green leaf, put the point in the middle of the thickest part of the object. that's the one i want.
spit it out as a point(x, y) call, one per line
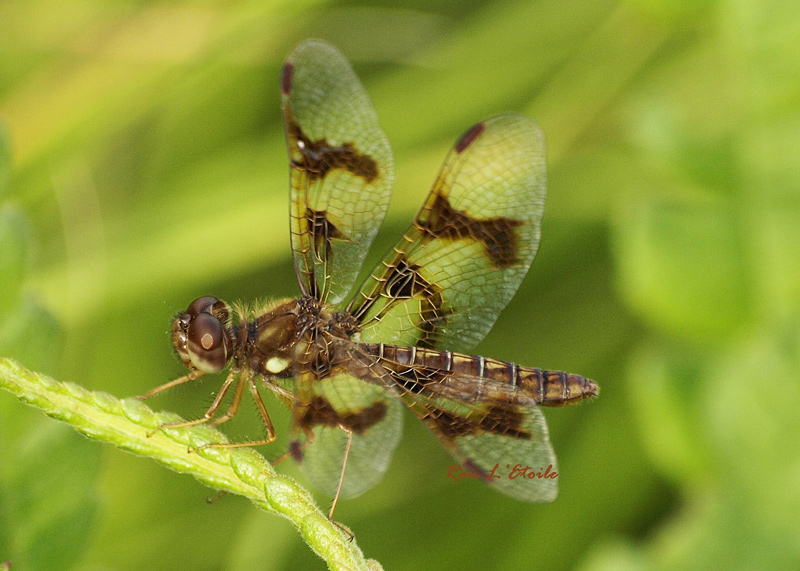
point(130, 425)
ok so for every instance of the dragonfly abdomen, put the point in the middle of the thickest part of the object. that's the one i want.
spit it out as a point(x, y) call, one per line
point(484, 379)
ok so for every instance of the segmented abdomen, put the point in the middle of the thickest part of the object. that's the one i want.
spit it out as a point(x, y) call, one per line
point(479, 378)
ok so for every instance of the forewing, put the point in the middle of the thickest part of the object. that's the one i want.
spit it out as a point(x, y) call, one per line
point(457, 266)
point(341, 169)
point(347, 398)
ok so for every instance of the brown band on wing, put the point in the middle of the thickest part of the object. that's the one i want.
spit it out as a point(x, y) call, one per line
point(499, 239)
point(404, 281)
point(320, 157)
point(323, 231)
point(496, 420)
point(296, 450)
point(319, 412)
point(287, 74)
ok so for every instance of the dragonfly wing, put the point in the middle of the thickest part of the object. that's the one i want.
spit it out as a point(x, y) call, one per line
point(446, 281)
point(341, 169)
point(333, 400)
point(487, 449)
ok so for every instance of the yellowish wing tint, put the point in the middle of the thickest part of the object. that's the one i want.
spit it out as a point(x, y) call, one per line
point(341, 169)
point(463, 258)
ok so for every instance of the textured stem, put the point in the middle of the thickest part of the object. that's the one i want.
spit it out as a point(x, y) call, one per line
point(126, 424)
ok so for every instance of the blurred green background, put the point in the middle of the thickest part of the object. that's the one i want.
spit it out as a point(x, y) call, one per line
point(143, 164)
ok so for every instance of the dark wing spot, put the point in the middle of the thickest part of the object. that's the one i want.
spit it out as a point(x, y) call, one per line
point(495, 420)
point(450, 425)
point(286, 77)
point(319, 412)
point(406, 282)
point(323, 231)
point(408, 380)
point(320, 157)
point(470, 137)
point(506, 421)
point(497, 234)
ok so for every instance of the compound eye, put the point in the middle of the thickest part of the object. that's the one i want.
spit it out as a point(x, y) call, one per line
point(201, 305)
point(206, 343)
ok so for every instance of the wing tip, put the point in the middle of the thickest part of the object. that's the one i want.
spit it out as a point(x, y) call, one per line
point(470, 136)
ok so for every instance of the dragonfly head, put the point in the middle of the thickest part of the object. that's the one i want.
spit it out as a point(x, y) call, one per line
point(201, 337)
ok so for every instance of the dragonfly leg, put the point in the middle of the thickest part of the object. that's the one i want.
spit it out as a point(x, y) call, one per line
point(194, 374)
point(268, 439)
point(212, 410)
point(341, 476)
point(262, 410)
point(234, 406)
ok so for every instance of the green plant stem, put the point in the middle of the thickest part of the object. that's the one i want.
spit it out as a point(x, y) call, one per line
point(130, 425)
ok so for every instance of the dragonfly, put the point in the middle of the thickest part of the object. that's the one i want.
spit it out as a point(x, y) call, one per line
point(345, 359)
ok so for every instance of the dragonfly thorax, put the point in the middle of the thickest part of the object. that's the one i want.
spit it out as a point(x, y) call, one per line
point(271, 336)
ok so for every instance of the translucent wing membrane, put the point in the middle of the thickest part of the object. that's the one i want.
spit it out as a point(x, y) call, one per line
point(463, 258)
point(339, 403)
point(341, 169)
point(485, 412)
point(495, 457)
